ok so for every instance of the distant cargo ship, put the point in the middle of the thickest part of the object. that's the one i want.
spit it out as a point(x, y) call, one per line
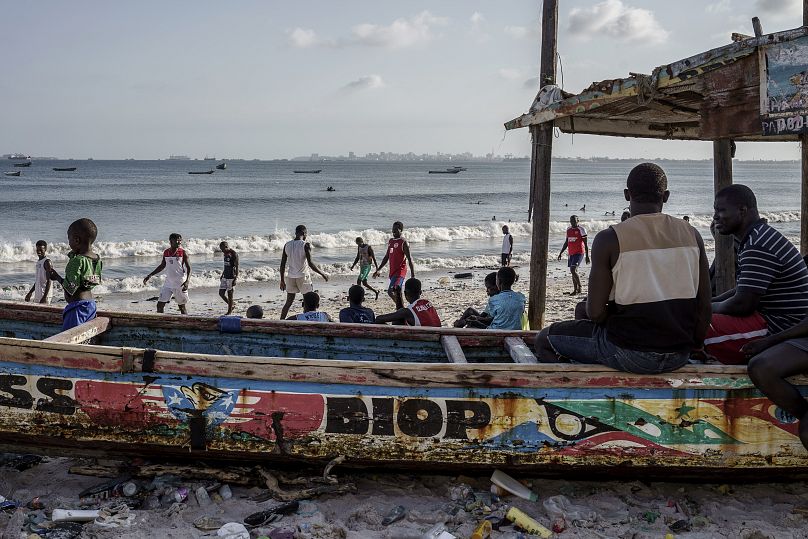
point(209, 158)
point(19, 156)
point(179, 158)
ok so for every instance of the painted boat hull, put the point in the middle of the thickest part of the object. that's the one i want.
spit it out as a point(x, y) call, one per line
point(78, 398)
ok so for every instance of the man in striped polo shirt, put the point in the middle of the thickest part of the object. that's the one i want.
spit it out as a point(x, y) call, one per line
point(649, 290)
point(771, 291)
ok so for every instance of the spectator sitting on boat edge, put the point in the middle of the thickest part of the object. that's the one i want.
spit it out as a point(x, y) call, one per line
point(507, 307)
point(643, 318)
point(419, 312)
point(355, 313)
point(472, 318)
point(311, 310)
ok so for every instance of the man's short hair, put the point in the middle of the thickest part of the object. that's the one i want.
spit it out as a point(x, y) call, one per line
point(174, 236)
point(84, 228)
point(359, 240)
point(42, 243)
point(398, 224)
point(413, 286)
point(255, 311)
point(223, 245)
point(647, 182)
point(491, 278)
point(356, 294)
point(311, 300)
point(300, 230)
point(738, 195)
point(507, 276)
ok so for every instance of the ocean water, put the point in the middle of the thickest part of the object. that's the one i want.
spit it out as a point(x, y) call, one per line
point(451, 221)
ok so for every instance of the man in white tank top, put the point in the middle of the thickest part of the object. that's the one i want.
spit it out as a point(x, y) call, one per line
point(41, 291)
point(295, 263)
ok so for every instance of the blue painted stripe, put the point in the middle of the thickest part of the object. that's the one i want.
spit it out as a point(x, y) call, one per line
point(619, 393)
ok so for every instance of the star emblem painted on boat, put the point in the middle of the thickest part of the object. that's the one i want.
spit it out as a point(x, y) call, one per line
point(212, 403)
point(684, 410)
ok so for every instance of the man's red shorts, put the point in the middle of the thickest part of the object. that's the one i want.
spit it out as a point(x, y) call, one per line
point(727, 334)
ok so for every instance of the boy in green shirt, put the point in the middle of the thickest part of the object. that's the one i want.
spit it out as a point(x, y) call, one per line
point(82, 274)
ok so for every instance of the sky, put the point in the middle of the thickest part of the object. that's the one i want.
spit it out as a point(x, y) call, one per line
point(260, 79)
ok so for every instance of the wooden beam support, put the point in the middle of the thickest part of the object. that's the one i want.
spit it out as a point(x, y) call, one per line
point(626, 128)
point(724, 245)
point(542, 156)
point(82, 332)
point(804, 154)
point(519, 351)
point(453, 349)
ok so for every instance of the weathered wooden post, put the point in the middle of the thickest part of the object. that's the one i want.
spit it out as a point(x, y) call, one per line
point(541, 164)
point(804, 154)
point(724, 245)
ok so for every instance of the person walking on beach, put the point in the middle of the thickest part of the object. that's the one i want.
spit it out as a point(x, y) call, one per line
point(643, 317)
point(419, 311)
point(297, 254)
point(576, 245)
point(771, 291)
point(398, 253)
point(229, 275)
point(507, 246)
point(367, 259)
point(82, 274)
point(41, 291)
point(178, 273)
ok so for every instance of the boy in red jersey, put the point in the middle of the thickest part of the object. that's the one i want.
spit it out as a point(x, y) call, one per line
point(178, 273)
point(398, 253)
point(419, 312)
point(576, 243)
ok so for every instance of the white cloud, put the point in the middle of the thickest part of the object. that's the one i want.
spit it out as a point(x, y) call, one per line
point(303, 38)
point(614, 19)
point(401, 33)
point(368, 82)
point(722, 6)
point(780, 8)
point(510, 73)
point(532, 83)
point(477, 19)
point(516, 32)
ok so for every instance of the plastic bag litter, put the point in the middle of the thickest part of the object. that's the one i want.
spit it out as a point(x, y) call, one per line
point(233, 530)
point(561, 506)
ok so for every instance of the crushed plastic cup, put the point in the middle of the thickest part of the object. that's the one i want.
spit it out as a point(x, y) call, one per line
point(225, 492)
point(202, 497)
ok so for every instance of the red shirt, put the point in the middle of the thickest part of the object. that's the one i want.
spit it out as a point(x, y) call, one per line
point(424, 313)
point(395, 253)
point(575, 240)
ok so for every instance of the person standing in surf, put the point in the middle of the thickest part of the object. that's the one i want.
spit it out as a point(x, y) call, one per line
point(507, 246)
point(229, 275)
point(398, 254)
point(41, 291)
point(297, 254)
point(576, 245)
point(365, 256)
point(178, 273)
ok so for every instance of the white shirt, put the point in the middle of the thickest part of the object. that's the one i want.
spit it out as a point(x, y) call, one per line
point(506, 244)
point(41, 281)
point(296, 264)
point(313, 316)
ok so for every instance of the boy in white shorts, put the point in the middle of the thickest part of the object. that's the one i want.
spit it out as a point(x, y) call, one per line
point(178, 273)
point(297, 255)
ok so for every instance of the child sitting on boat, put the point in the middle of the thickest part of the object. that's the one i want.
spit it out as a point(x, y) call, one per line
point(419, 312)
point(311, 310)
point(82, 274)
point(507, 307)
point(472, 318)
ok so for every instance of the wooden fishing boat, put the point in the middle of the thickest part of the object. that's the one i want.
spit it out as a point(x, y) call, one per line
point(315, 171)
point(447, 171)
point(201, 172)
point(162, 385)
point(221, 166)
point(26, 164)
point(64, 169)
point(17, 173)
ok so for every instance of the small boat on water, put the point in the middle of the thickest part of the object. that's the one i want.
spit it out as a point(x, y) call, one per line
point(330, 189)
point(315, 171)
point(221, 166)
point(201, 172)
point(64, 169)
point(26, 164)
point(446, 171)
point(461, 169)
point(433, 398)
point(17, 173)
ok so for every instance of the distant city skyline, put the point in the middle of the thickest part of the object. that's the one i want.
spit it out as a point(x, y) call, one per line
point(272, 80)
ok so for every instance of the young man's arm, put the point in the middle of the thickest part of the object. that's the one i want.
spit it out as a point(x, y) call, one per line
point(563, 248)
point(604, 249)
point(157, 270)
point(726, 295)
point(355, 260)
point(406, 249)
point(756, 270)
point(187, 264)
point(703, 296)
point(586, 249)
point(372, 256)
point(401, 315)
point(380, 266)
point(31, 292)
point(48, 269)
point(753, 348)
point(510, 249)
point(235, 267)
point(312, 265)
point(283, 269)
